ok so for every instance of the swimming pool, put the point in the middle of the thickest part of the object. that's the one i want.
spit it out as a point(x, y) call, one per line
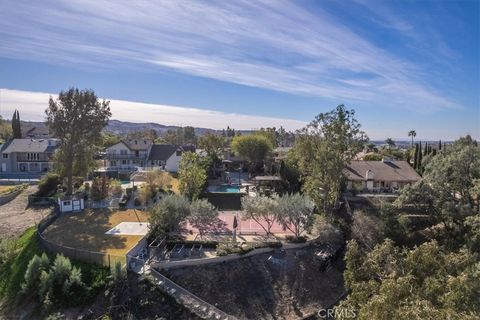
point(225, 188)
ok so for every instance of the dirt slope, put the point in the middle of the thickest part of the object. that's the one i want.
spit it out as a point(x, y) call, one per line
point(15, 217)
point(252, 288)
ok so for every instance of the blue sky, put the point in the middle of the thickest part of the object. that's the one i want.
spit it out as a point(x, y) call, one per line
point(401, 65)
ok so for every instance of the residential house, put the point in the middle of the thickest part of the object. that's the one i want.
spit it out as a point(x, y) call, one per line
point(139, 154)
point(167, 156)
point(38, 133)
point(27, 155)
point(127, 155)
point(379, 175)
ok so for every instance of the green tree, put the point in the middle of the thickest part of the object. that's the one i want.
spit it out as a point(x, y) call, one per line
point(189, 135)
point(6, 132)
point(295, 213)
point(100, 187)
point(109, 139)
point(62, 284)
point(262, 210)
point(415, 157)
point(449, 189)
point(36, 266)
point(322, 151)
point(419, 158)
point(373, 157)
point(413, 134)
point(16, 125)
point(167, 215)
point(192, 175)
point(254, 148)
point(212, 144)
point(202, 215)
point(390, 143)
point(270, 134)
point(76, 118)
point(425, 283)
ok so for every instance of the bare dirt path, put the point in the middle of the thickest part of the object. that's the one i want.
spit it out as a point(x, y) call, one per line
point(15, 217)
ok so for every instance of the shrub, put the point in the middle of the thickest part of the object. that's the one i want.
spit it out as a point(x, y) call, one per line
point(116, 187)
point(227, 246)
point(100, 187)
point(294, 239)
point(137, 202)
point(58, 284)
point(119, 274)
point(327, 233)
point(8, 250)
point(62, 284)
point(36, 266)
point(48, 185)
point(168, 213)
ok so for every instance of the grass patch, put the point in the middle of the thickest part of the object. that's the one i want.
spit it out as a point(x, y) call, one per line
point(4, 190)
point(12, 273)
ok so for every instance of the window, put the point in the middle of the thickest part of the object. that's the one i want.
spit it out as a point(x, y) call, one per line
point(33, 156)
point(123, 152)
point(5, 156)
point(124, 161)
point(66, 203)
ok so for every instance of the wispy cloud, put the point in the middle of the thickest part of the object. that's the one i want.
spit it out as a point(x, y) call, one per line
point(273, 45)
point(33, 104)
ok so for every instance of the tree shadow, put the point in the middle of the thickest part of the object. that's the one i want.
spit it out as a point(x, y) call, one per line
point(85, 231)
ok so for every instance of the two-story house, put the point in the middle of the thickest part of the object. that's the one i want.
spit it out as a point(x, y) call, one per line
point(138, 154)
point(167, 156)
point(127, 155)
point(27, 155)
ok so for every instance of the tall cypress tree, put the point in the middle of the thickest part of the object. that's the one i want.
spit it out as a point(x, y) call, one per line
point(415, 157)
point(425, 151)
point(439, 145)
point(419, 160)
point(16, 129)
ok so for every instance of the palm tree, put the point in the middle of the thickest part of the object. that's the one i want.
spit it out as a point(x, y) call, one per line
point(412, 134)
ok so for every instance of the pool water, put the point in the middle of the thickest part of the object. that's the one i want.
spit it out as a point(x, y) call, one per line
point(226, 188)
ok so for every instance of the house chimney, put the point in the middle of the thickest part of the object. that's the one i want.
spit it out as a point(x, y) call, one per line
point(369, 175)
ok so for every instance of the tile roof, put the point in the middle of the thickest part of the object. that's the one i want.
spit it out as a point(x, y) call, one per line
point(382, 171)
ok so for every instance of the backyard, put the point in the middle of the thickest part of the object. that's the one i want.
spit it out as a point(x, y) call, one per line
point(86, 231)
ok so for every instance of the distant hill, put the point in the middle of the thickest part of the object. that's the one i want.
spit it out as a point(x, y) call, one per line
point(124, 127)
